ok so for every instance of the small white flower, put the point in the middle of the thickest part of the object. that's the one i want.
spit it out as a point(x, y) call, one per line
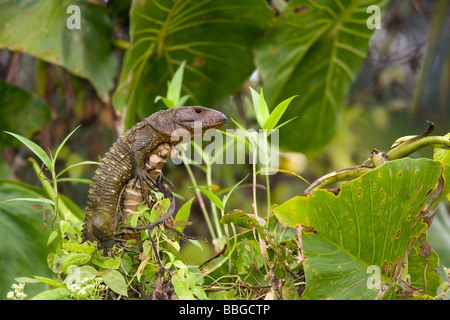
point(74, 287)
point(21, 295)
point(18, 291)
point(18, 286)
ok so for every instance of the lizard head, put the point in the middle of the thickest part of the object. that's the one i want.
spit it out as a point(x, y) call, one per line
point(195, 120)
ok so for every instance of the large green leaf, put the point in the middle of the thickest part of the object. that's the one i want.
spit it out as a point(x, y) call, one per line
point(214, 37)
point(40, 29)
point(23, 112)
point(371, 221)
point(314, 50)
point(23, 240)
point(24, 232)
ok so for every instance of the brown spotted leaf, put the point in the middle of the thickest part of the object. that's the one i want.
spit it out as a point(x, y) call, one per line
point(368, 226)
point(242, 219)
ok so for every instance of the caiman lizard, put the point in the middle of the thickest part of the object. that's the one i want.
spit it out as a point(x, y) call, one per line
point(126, 160)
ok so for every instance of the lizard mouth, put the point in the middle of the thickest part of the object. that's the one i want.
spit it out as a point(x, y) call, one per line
point(218, 122)
point(207, 123)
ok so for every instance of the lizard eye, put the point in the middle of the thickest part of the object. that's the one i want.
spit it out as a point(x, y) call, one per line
point(197, 110)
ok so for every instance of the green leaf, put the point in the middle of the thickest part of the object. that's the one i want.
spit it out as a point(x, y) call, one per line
point(79, 273)
point(142, 265)
point(74, 259)
point(249, 256)
point(106, 263)
point(241, 219)
point(165, 204)
point(42, 200)
point(211, 196)
point(227, 196)
point(289, 291)
point(82, 163)
point(314, 50)
point(168, 103)
point(174, 90)
point(182, 100)
point(422, 264)
point(260, 107)
point(75, 180)
point(222, 295)
point(196, 243)
point(370, 221)
point(30, 113)
point(54, 260)
point(58, 150)
point(199, 293)
point(54, 294)
point(332, 273)
point(252, 142)
point(26, 280)
point(116, 282)
point(442, 155)
point(285, 123)
point(241, 255)
point(183, 214)
point(215, 39)
point(182, 289)
point(276, 114)
point(40, 28)
point(50, 282)
point(38, 151)
point(237, 137)
point(23, 240)
point(76, 247)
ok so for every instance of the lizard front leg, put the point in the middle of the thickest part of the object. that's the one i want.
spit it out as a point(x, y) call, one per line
point(139, 151)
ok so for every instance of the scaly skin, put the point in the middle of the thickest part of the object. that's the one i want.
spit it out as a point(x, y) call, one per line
point(126, 159)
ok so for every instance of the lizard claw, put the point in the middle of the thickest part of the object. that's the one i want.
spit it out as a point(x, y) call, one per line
point(163, 179)
point(142, 176)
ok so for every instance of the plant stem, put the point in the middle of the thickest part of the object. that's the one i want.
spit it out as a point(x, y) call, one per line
point(120, 43)
point(409, 147)
point(213, 207)
point(267, 156)
point(199, 196)
point(336, 176)
point(255, 209)
point(63, 209)
point(268, 191)
point(49, 189)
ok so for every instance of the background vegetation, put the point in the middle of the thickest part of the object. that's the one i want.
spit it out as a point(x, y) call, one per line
point(355, 90)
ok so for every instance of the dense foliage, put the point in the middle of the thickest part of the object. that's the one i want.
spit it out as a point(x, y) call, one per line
point(76, 74)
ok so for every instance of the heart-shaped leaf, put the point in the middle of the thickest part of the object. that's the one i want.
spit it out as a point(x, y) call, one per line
point(313, 50)
point(214, 38)
point(371, 221)
point(24, 250)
